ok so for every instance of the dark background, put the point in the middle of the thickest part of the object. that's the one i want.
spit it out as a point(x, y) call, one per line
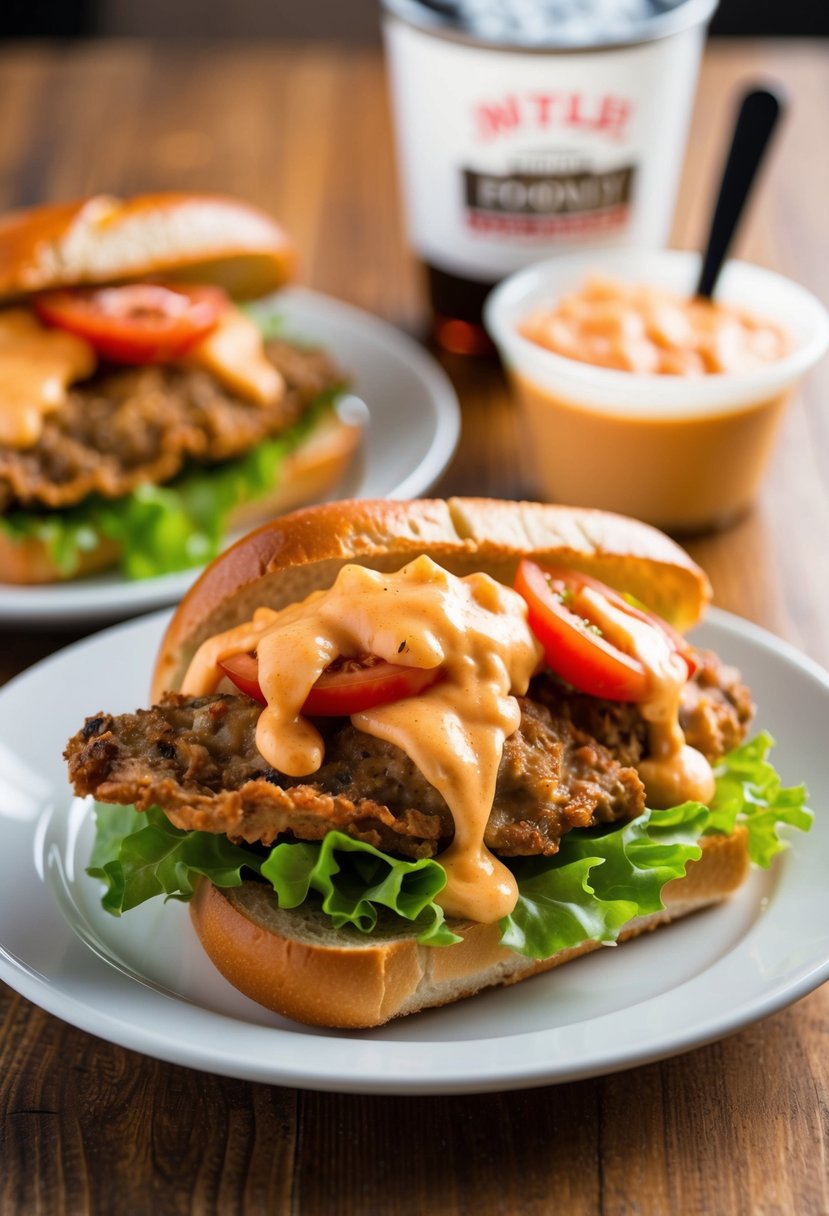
point(347, 20)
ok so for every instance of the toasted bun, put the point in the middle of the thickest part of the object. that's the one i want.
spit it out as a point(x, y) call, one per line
point(311, 469)
point(104, 239)
point(294, 963)
point(288, 558)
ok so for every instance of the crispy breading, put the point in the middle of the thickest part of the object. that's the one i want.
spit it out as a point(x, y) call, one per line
point(714, 714)
point(197, 759)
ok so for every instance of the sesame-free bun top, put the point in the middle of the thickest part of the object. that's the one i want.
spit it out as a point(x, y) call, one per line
point(288, 558)
point(197, 237)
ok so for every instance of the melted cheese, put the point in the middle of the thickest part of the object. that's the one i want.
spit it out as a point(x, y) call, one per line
point(474, 629)
point(673, 772)
point(37, 365)
point(235, 354)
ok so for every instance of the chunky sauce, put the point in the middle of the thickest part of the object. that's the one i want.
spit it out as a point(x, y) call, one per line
point(633, 327)
point(37, 365)
point(473, 628)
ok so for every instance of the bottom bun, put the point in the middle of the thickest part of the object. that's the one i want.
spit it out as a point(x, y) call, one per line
point(28, 561)
point(295, 963)
point(305, 475)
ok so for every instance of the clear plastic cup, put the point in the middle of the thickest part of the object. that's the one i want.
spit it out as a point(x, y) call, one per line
point(685, 453)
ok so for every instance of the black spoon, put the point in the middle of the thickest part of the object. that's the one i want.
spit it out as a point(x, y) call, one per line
point(756, 120)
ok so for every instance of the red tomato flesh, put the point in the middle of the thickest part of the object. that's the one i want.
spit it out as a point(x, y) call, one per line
point(243, 670)
point(574, 648)
point(678, 642)
point(138, 322)
point(351, 685)
point(346, 687)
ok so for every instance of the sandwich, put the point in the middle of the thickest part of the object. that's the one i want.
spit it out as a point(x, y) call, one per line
point(400, 752)
point(143, 412)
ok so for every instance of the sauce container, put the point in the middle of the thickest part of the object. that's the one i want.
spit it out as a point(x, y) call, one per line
point(524, 129)
point(684, 453)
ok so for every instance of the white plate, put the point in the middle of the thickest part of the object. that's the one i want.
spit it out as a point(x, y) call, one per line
point(411, 434)
point(143, 981)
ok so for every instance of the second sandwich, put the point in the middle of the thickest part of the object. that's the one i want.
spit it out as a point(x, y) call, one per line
point(143, 413)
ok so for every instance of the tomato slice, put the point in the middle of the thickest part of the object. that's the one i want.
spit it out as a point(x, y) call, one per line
point(678, 643)
point(573, 646)
point(243, 670)
point(346, 687)
point(137, 322)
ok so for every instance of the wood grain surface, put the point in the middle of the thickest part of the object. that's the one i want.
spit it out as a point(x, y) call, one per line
point(739, 1127)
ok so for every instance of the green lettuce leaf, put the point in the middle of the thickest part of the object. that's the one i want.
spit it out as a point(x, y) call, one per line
point(749, 792)
point(140, 855)
point(171, 527)
point(355, 880)
point(596, 883)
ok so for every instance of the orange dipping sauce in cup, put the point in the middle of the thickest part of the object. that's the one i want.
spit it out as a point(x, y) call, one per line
point(635, 396)
point(646, 330)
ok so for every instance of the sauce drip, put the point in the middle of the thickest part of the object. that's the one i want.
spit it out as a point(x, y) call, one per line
point(37, 365)
point(473, 628)
point(235, 354)
point(673, 772)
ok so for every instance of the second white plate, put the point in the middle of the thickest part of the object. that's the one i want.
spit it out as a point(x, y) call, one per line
point(412, 431)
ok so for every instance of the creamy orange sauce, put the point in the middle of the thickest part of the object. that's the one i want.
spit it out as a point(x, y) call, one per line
point(235, 354)
point(37, 365)
point(673, 772)
point(647, 330)
point(474, 629)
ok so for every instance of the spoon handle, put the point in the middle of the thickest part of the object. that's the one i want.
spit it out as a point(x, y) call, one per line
point(757, 118)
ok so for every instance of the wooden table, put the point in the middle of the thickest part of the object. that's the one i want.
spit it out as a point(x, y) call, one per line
point(737, 1127)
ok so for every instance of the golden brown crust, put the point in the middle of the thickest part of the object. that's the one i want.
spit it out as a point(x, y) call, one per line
point(292, 963)
point(104, 239)
point(307, 473)
point(303, 981)
point(286, 559)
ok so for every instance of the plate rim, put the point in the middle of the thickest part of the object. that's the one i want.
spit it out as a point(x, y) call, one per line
point(81, 600)
point(25, 979)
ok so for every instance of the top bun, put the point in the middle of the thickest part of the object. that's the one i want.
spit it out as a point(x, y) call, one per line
point(198, 237)
point(286, 559)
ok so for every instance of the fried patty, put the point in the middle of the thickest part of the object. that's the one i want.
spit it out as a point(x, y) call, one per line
point(197, 759)
point(126, 428)
point(571, 763)
point(714, 715)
